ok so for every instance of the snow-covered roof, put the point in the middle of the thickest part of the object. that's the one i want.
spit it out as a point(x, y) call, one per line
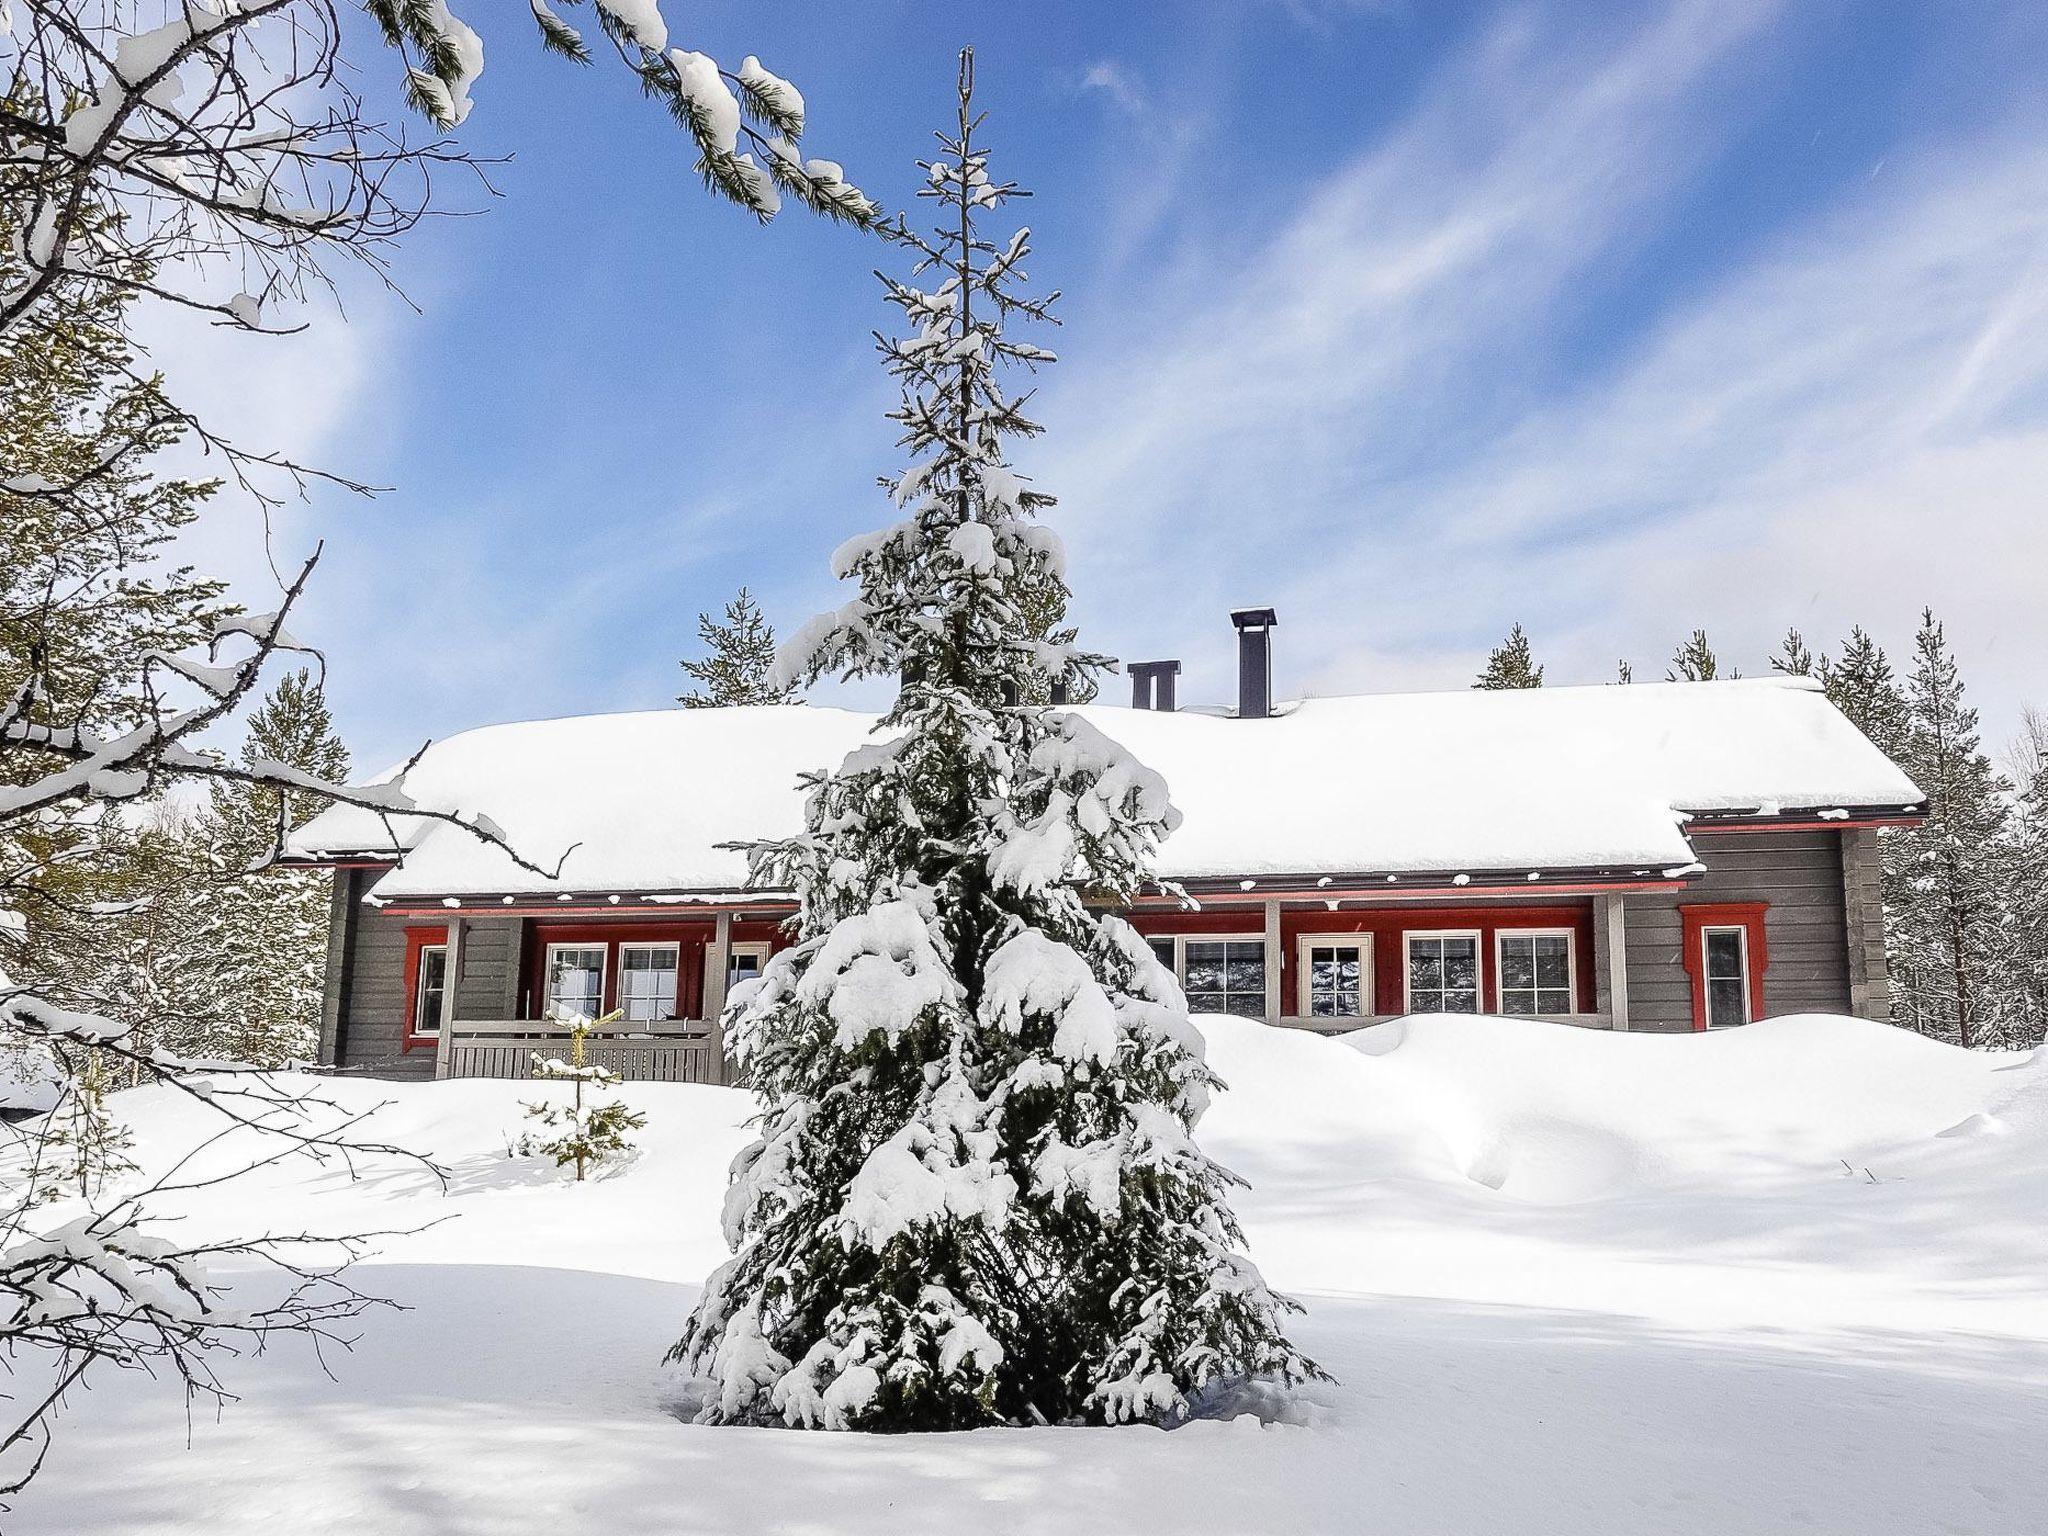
point(1474, 782)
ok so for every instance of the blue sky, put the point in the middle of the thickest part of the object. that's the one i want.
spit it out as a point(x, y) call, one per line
point(1410, 320)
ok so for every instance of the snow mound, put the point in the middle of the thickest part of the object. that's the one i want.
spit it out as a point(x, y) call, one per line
point(1556, 1115)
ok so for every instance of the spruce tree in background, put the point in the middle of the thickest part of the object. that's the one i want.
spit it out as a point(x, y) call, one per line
point(1511, 665)
point(974, 1197)
point(264, 928)
point(2023, 941)
point(1863, 687)
point(1795, 657)
point(739, 660)
point(1949, 874)
point(1694, 662)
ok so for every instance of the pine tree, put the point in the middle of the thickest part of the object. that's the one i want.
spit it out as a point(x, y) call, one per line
point(266, 928)
point(1694, 662)
point(1942, 933)
point(1861, 685)
point(974, 1197)
point(2023, 943)
point(1795, 657)
point(585, 1134)
point(1511, 665)
point(739, 663)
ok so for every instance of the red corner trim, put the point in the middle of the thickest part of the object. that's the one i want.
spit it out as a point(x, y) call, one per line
point(1695, 920)
point(417, 939)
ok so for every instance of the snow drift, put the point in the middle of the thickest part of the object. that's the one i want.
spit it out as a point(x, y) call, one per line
point(1782, 1278)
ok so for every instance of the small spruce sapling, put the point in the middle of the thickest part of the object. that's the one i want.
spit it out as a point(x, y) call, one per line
point(1511, 664)
point(588, 1135)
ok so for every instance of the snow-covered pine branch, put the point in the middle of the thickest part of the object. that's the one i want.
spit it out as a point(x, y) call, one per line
point(219, 156)
point(975, 1197)
point(96, 1280)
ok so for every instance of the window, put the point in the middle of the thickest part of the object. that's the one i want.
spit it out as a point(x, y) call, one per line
point(647, 981)
point(1162, 950)
point(1726, 972)
point(1727, 953)
point(429, 987)
point(1536, 973)
point(1336, 976)
point(1225, 976)
point(744, 964)
point(1443, 972)
point(576, 979)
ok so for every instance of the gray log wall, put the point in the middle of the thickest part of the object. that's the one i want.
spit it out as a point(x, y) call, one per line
point(1800, 876)
point(364, 1025)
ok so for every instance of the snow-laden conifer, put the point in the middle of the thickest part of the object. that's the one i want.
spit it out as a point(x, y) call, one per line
point(974, 1197)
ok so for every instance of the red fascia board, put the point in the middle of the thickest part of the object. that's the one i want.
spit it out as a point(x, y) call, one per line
point(1779, 824)
point(1405, 893)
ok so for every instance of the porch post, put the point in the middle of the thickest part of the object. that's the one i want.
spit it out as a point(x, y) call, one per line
point(1610, 956)
point(717, 966)
point(452, 984)
point(1272, 961)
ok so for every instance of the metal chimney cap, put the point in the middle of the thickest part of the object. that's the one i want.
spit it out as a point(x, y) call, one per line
point(1254, 618)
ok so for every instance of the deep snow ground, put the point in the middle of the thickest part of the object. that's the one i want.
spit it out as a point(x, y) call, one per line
point(1792, 1278)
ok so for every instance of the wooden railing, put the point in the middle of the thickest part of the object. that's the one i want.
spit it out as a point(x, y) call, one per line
point(665, 1051)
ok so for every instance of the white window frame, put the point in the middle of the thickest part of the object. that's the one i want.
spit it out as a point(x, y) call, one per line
point(1180, 957)
point(547, 971)
point(761, 949)
point(675, 970)
point(1304, 992)
point(428, 1029)
point(1571, 969)
point(1409, 935)
point(1708, 978)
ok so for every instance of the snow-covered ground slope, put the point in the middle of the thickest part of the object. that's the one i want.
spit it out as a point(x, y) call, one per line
point(1788, 1278)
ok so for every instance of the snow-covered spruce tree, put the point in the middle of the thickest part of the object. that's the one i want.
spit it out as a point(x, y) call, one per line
point(738, 664)
point(1863, 687)
point(974, 1198)
point(2024, 941)
point(1511, 664)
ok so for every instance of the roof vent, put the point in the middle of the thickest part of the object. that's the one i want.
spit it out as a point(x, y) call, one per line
point(1254, 661)
point(1152, 684)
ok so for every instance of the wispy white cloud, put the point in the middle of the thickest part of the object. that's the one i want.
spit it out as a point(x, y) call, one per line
point(1114, 81)
point(1362, 420)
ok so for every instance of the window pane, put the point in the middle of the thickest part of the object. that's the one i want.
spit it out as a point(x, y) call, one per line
point(1724, 953)
point(1162, 951)
point(576, 980)
point(1726, 1004)
point(647, 981)
point(433, 981)
point(1553, 960)
point(1425, 966)
point(1461, 1002)
point(1227, 977)
point(1461, 963)
point(741, 965)
point(1517, 962)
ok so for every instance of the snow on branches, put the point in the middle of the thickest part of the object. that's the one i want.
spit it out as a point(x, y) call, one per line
point(974, 1196)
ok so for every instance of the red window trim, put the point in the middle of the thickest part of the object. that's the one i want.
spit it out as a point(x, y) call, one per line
point(1695, 920)
point(417, 939)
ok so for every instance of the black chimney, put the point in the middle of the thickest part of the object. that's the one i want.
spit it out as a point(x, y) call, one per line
point(1152, 684)
point(1254, 662)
